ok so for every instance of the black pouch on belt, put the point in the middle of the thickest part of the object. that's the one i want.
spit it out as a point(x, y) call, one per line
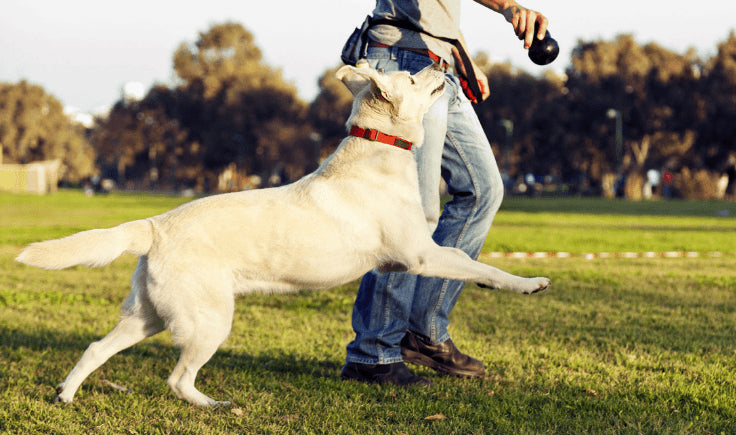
point(357, 44)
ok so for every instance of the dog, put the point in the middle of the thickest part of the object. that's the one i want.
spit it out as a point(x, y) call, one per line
point(360, 210)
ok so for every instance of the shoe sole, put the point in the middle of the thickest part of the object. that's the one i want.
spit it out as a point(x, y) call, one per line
point(418, 358)
point(421, 383)
point(371, 381)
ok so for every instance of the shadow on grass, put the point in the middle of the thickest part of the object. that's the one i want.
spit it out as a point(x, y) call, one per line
point(42, 340)
point(33, 363)
point(17, 343)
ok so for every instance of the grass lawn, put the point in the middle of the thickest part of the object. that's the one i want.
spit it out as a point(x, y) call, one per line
point(615, 346)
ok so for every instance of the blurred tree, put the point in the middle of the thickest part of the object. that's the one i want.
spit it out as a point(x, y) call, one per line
point(223, 56)
point(653, 90)
point(717, 128)
point(235, 102)
point(144, 141)
point(33, 127)
point(227, 111)
point(518, 97)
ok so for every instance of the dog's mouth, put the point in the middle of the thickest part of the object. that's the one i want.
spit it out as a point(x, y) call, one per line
point(439, 89)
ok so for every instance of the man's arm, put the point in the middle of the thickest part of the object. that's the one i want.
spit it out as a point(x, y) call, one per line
point(522, 19)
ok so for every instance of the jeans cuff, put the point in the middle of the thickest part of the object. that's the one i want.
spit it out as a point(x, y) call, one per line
point(440, 338)
point(369, 360)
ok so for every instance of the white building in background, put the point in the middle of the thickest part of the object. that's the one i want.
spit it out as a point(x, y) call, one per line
point(77, 116)
point(36, 177)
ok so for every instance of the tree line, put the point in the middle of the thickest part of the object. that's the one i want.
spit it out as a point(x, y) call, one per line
point(231, 121)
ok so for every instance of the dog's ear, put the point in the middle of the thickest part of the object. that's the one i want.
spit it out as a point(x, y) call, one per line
point(356, 79)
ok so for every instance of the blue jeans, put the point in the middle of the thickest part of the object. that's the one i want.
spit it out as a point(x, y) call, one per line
point(456, 149)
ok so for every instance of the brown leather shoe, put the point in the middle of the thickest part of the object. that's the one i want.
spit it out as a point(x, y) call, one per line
point(443, 357)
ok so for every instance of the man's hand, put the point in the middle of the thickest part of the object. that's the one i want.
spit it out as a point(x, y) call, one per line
point(480, 76)
point(521, 18)
point(482, 82)
point(524, 20)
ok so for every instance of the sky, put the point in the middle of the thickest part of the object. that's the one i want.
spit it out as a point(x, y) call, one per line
point(84, 51)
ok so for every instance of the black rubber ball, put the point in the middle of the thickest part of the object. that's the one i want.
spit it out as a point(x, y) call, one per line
point(544, 51)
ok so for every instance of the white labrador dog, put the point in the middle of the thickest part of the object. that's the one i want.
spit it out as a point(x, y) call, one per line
point(358, 211)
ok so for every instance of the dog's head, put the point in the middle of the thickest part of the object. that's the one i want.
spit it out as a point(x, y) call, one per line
point(395, 102)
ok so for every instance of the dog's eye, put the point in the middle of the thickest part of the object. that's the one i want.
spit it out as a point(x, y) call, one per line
point(412, 81)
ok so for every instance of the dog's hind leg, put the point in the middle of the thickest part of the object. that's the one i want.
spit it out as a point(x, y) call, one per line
point(199, 333)
point(139, 321)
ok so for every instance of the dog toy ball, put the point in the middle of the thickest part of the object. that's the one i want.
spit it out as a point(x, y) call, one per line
point(543, 51)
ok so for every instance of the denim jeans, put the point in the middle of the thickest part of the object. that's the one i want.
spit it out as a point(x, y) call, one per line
point(456, 149)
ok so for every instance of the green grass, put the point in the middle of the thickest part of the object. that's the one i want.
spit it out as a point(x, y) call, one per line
point(615, 346)
point(599, 225)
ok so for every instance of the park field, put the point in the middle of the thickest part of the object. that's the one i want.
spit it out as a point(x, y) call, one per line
point(615, 346)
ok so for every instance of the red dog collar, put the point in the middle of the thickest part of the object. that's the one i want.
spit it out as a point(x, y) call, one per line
point(377, 136)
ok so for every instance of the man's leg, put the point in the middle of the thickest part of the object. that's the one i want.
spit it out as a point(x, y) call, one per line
point(383, 304)
point(474, 181)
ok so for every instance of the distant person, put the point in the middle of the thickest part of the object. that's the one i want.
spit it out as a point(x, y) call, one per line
point(399, 317)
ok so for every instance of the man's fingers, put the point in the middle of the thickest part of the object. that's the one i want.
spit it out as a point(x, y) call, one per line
point(524, 22)
point(531, 19)
point(518, 26)
point(543, 22)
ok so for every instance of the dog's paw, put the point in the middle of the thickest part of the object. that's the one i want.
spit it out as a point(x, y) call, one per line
point(60, 396)
point(539, 285)
point(60, 399)
point(528, 286)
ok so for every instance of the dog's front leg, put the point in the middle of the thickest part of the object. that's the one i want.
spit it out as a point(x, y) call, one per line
point(452, 263)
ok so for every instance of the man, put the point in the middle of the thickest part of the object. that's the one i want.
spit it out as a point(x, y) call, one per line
point(399, 317)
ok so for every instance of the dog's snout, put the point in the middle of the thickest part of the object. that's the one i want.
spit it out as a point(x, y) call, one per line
point(434, 78)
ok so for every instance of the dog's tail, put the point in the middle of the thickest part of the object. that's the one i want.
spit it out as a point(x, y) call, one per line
point(93, 248)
